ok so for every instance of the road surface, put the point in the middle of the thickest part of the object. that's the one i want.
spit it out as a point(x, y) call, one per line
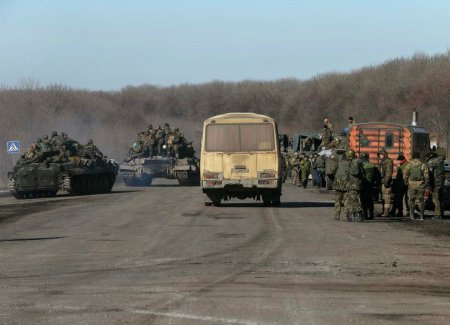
point(158, 256)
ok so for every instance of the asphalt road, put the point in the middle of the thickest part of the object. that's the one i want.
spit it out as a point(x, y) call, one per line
point(159, 256)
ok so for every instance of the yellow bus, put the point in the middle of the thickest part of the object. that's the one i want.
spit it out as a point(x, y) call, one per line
point(240, 158)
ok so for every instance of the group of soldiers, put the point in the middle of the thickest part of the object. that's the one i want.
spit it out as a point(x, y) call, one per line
point(59, 148)
point(357, 182)
point(356, 179)
point(161, 141)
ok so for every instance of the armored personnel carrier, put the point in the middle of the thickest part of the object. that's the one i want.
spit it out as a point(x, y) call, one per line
point(78, 169)
point(78, 178)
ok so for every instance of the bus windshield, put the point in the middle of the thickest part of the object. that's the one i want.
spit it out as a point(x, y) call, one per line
point(240, 137)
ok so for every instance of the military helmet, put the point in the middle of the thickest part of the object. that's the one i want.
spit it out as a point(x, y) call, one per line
point(39, 140)
point(350, 153)
point(150, 127)
point(383, 152)
point(54, 133)
point(90, 141)
point(46, 137)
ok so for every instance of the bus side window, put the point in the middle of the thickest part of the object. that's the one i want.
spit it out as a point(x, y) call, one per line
point(389, 141)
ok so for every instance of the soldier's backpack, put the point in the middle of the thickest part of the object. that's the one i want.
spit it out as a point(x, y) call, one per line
point(369, 168)
point(416, 172)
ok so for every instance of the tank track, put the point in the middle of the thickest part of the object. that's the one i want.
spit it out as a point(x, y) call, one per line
point(27, 194)
point(88, 184)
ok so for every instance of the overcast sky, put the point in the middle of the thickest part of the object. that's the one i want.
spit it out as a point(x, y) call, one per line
point(110, 44)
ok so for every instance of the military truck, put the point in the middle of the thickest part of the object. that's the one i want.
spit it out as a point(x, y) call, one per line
point(78, 178)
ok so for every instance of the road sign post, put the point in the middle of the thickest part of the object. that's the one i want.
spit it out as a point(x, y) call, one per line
point(13, 148)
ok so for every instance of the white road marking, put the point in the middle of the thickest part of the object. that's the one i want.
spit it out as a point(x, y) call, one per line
point(195, 317)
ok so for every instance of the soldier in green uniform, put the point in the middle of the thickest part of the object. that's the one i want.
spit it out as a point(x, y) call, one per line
point(352, 197)
point(416, 176)
point(326, 136)
point(294, 166)
point(31, 156)
point(305, 169)
point(91, 151)
point(366, 186)
point(400, 188)
point(386, 168)
point(437, 179)
point(62, 156)
point(331, 166)
point(340, 187)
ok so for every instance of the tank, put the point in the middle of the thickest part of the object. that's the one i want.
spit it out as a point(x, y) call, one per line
point(163, 152)
point(186, 171)
point(79, 177)
point(142, 171)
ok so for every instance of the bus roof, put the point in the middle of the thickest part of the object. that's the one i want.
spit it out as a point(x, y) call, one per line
point(235, 116)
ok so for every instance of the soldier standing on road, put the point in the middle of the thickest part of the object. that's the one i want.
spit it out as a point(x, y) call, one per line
point(340, 187)
point(352, 198)
point(294, 165)
point(386, 167)
point(305, 170)
point(331, 166)
point(416, 177)
point(437, 180)
point(400, 188)
point(366, 187)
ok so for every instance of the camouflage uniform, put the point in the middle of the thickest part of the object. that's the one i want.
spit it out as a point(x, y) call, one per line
point(31, 155)
point(305, 170)
point(340, 186)
point(326, 136)
point(416, 177)
point(386, 168)
point(294, 165)
point(437, 180)
point(331, 166)
point(91, 151)
point(352, 198)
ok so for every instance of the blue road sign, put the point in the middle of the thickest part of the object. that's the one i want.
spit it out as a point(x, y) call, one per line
point(13, 146)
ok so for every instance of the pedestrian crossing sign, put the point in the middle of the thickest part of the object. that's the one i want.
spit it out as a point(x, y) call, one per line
point(13, 146)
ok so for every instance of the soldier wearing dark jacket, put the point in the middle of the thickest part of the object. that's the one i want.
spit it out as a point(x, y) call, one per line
point(437, 180)
point(386, 168)
point(367, 185)
point(400, 188)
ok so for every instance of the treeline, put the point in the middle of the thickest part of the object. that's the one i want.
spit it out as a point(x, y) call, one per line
point(388, 92)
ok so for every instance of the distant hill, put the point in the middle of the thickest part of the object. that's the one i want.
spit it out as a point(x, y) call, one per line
point(387, 92)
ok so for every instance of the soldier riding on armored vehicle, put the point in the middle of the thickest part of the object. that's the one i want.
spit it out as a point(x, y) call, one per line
point(160, 153)
point(60, 162)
